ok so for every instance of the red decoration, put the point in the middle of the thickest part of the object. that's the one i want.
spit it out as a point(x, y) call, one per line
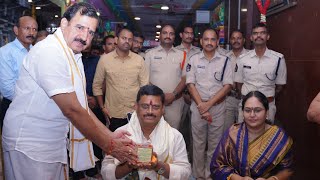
point(263, 7)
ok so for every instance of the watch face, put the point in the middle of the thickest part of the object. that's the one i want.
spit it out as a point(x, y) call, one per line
point(161, 171)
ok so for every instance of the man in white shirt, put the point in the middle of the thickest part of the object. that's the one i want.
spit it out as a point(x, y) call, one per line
point(147, 126)
point(50, 93)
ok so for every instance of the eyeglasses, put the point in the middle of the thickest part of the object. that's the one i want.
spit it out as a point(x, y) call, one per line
point(255, 110)
point(259, 33)
point(147, 107)
point(29, 29)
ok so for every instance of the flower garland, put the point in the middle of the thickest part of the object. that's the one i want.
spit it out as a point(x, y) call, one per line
point(263, 7)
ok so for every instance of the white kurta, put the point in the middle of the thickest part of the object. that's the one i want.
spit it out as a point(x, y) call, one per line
point(166, 141)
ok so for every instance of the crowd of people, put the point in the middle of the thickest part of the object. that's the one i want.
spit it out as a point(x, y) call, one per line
point(121, 113)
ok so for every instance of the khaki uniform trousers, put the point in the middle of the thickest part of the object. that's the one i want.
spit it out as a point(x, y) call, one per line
point(271, 114)
point(173, 113)
point(232, 108)
point(204, 134)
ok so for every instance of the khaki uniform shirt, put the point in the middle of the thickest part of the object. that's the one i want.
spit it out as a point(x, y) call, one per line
point(124, 77)
point(165, 68)
point(234, 59)
point(259, 74)
point(206, 74)
point(222, 51)
point(142, 54)
point(193, 50)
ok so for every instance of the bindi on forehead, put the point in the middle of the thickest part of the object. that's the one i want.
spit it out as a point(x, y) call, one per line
point(151, 103)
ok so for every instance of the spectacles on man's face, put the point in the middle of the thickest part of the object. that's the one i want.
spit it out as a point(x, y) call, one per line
point(28, 28)
point(147, 106)
point(255, 110)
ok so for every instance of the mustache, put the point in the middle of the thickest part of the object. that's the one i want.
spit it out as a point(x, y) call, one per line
point(235, 43)
point(209, 45)
point(150, 115)
point(81, 41)
point(30, 37)
point(258, 38)
point(167, 38)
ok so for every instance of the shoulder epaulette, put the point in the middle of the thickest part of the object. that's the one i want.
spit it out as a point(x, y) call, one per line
point(194, 54)
point(276, 54)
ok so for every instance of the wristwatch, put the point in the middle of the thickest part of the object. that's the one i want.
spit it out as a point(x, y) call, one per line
point(161, 171)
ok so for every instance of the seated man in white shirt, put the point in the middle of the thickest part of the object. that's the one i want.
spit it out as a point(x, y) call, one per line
point(147, 126)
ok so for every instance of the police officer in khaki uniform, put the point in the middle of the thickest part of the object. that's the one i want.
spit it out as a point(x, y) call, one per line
point(261, 69)
point(233, 99)
point(166, 66)
point(187, 37)
point(209, 79)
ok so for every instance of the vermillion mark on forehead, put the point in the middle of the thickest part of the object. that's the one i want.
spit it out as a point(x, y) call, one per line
point(150, 102)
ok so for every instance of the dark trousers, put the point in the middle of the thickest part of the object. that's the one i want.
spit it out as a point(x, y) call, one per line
point(3, 109)
point(97, 151)
point(115, 123)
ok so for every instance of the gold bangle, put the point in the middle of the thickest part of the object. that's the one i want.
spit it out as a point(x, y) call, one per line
point(229, 177)
point(275, 177)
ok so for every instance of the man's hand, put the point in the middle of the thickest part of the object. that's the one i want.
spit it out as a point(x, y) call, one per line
point(150, 165)
point(169, 98)
point(203, 107)
point(106, 113)
point(122, 147)
point(207, 116)
point(92, 102)
point(246, 178)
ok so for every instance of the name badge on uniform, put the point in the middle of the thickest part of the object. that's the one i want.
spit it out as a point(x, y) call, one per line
point(157, 57)
point(188, 68)
point(248, 67)
point(201, 67)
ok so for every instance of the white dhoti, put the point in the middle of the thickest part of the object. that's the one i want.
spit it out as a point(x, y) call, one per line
point(18, 166)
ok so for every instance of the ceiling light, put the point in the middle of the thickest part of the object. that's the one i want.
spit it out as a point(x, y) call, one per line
point(56, 16)
point(29, 0)
point(157, 36)
point(98, 13)
point(157, 32)
point(38, 7)
point(156, 39)
point(158, 26)
point(164, 7)
point(244, 9)
point(137, 18)
point(199, 33)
